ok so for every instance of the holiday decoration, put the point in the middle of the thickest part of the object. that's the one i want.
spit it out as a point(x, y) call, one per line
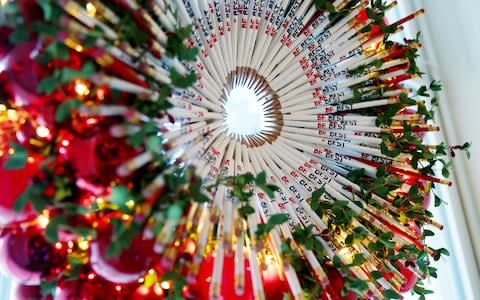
point(217, 149)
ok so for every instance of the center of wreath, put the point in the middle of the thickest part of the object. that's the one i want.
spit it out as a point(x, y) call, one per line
point(251, 108)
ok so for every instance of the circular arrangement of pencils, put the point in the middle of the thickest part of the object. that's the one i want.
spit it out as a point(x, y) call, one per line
point(297, 119)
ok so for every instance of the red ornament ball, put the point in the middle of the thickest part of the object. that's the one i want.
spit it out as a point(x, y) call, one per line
point(410, 277)
point(26, 255)
point(12, 184)
point(274, 286)
point(132, 263)
point(334, 290)
point(154, 292)
point(92, 287)
point(95, 157)
point(26, 292)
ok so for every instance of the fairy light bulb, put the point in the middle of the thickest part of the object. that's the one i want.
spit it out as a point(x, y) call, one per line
point(42, 131)
point(91, 9)
point(83, 244)
point(81, 88)
point(166, 285)
point(43, 221)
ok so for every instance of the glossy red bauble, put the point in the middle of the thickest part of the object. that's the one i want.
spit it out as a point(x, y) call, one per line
point(12, 184)
point(26, 292)
point(410, 277)
point(334, 290)
point(274, 287)
point(22, 75)
point(26, 255)
point(132, 263)
point(154, 292)
point(92, 287)
point(96, 157)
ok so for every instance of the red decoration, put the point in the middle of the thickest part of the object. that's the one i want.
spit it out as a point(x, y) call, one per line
point(12, 184)
point(25, 292)
point(95, 157)
point(5, 45)
point(131, 264)
point(154, 292)
point(334, 290)
point(91, 287)
point(410, 278)
point(26, 255)
point(274, 287)
point(23, 76)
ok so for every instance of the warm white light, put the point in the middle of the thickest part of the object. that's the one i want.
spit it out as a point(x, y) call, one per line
point(43, 131)
point(166, 285)
point(91, 10)
point(81, 88)
point(244, 114)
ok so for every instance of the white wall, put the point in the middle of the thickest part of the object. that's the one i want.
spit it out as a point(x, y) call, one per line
point(452, 54)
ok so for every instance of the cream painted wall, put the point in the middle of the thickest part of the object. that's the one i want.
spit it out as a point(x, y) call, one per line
point(452, 54)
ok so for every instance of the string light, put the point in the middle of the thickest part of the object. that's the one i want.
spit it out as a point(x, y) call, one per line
point(43, 131)
point(166, 285)
point(81, 88)
point(83, 244)
point(91, 10)
point(43, 220)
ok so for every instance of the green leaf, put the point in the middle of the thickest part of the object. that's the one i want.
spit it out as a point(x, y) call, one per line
point(317, 194)
point(246, 210)
point(436, 86)
point(51, 232)
point(34, 191)
point(64, 110)
point(358, 259)
point(438, 201)
point(349, 240)
point(20, 35)
point(119, 195)
point(17, 160)
point(46, 8)
point(84, 232)
point(201, 198)
point(68, 74)
point(278, 219)
point(154, 143)
point(48, 85)
point(10, 8)
point(427, 232)
point(175, 212)
point(337, 263)
point(376, 274)
point(58, 50)
point(48, 287)
point(180, 81)
point(391, 294)
point(261, 178)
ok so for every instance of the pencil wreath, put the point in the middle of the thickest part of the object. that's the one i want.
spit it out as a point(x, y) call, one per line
point(219, 149)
